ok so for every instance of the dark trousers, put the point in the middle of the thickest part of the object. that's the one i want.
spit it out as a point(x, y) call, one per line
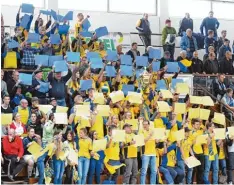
point(230, 166)
point(69, 174)
point(199, 170)
point(170, 48)
point(95, 168)
point(146, 40)
point(43, 101)
point(15, 166)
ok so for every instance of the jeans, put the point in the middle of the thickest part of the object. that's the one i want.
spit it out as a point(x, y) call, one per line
point(131, 171)
point(166, 174)
point(146, 40)
point(215, 167)
point(83, 169)
point(199, 170)
point(41, 167)
point(177, 174)
point(148, 161)
point(230, 165)
point(170, 48)
point(95, 168)
point(61, 102)
point(58, 170)
point(182, 166)
point(223, 166)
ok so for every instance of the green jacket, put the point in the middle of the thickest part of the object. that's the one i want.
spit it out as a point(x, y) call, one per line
point(165, 32)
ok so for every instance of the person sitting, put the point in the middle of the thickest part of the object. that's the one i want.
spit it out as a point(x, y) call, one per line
point(226, 64)
point(27, 141)
point(13, 151)
point(3, 85)
point(229, 102)
point(184, 62)
point(223, 49)
point(17, 125)
point(197, 64)
point(211, 65)
point(23, 110)
point(211, 49)
point(133, 52)
point(219, 87)
point(166, 58)
point(5, 107)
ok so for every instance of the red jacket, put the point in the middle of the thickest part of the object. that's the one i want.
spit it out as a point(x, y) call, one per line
point(13, 148)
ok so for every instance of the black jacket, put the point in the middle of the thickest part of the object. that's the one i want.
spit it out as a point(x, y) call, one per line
point(211, 66)
point(197, 65)
point(185, 24)
point(132, 55)
point(226, 66)
point(219, 88)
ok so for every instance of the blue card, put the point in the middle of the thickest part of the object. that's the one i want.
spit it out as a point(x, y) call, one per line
point(13, 44)
point(42, 60)
point(86, 34)
point(73, 56)
point(25, 20)
point(63, 29)
point(126, 60)
point(52, 59)
point(175, 81)
point(102, 31)
point(68, 16)
point(60, 18)
point(161, 85)
point(142, 61)
point(90, 55)
point(86, 85)
point(96, 63)
point(110, 71)
point(44, 87)
point(25, 79)
point(27, 8)
point(55, 39)
point(127, 88)
point(54, 15)
point(154, 53)
point(139, 72)
point(126, 70)
point(45, 12)
point(86, 25)
point(60, 66)
point(111, 55)
point(173, 67)
point(33, 38)
point(156, 66)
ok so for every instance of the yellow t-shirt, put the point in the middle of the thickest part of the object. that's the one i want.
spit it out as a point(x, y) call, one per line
point(129, 151)
point(221, 153)
point(150, 146)
point(197, 148)
point(113, 151)
point(158, 123)
point(214, 148)
point(78, 26)
point(24, 113)
point(98, 126)
point(171, 157)
point(102, 53)
point(186, 144)
point(85, 145)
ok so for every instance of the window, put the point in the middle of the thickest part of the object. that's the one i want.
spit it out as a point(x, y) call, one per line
point(196, 8)
point(90, 5)
point(133, 6)
point(223, 10)
point(36, 3)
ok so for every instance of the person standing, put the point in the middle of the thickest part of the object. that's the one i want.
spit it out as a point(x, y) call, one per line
point(185, 23)
point(168, 38)
point(210, 40)
point(221, 39)
point(223, 49)
point(209, 23)
point(143, 27)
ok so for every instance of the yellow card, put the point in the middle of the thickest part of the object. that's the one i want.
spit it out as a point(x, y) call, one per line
point(201, 139)
point(103, 110)
point(45, 108)
point(86, 103)
point(118, 135)
point(134, 97)
point(180, 108)
point(116, 96)
point(220, 133)
point(231, 132)
point(34, 148)
point(159, 133)
point(139, 139)
point(85, 122)
point(166, 94)
point(83, 110)
point(60, 109)
point(6, 119)
point(99, 98)
point(195, 99)
point(182, 88)
point(47, 180)
point(133, 122)
point(192, 162)
point(167, 134)
point(179, 135)
point(204, 114)
point(194, 113)
point(207, 101)
point(219, 118)
point(99, 145)
point(60, 118)
point(163, 106)
point(72, 157)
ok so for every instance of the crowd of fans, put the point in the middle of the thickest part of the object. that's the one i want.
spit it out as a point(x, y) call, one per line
point(81, 84)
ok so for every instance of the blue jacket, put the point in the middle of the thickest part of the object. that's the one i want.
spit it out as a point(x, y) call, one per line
point(184, 43)
point(209, 24)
